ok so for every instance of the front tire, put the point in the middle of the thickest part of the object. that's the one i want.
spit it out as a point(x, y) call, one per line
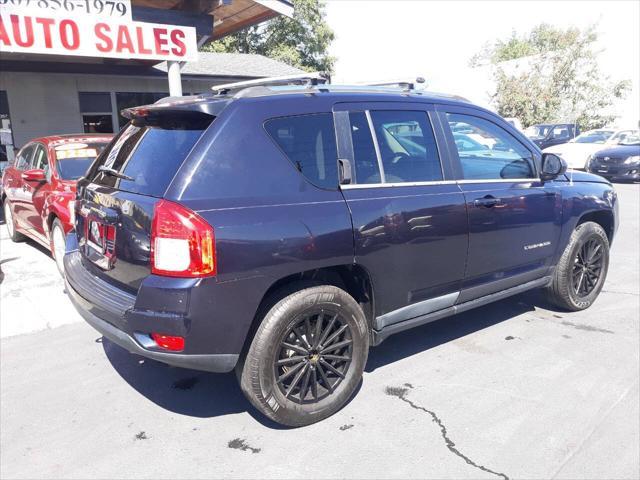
point(58, 245)
point(582, 269)
point(10, 222)
point(307, 356)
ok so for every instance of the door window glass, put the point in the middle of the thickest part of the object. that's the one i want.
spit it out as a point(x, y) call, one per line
point(407, 146)
point(309, 141)
point(24, 157)
point(488, 152)
point(364, 152)
point(39, 161)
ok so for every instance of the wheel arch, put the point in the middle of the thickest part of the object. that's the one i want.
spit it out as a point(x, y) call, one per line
point(604, 218)
point(354, 279)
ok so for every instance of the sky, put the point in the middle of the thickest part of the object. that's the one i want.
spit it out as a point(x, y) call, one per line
point(392, 39)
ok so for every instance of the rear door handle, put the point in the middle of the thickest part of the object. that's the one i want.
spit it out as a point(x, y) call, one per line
point(487, 201)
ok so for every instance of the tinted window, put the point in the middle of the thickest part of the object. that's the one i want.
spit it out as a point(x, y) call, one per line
point(407, 146)
point(495, 153)
point(150, 153)
point(310, 143)
point(364, 152)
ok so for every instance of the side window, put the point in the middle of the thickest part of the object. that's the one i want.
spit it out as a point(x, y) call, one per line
point(24, 157)
point(309, 141)
point(406, 144)
point(40, 161)
point(560, 133)
point(364, 152)
point(487, 152)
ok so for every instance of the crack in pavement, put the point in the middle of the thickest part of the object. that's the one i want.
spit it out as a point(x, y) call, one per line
point(401, 393)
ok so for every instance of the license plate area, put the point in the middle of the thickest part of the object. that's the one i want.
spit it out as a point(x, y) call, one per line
point(100, 242)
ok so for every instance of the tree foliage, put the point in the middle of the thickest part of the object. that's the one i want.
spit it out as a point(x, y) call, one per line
point(301, 41)
point(550, 75)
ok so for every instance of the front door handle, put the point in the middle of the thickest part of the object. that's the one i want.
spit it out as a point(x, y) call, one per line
point(487, 201)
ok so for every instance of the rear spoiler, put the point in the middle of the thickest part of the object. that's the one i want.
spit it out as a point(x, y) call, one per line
point(202, 104)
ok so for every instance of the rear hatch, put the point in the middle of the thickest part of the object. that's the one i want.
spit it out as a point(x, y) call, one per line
point(117, 197)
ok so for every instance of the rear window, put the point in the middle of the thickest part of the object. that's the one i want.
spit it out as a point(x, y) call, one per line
point(146, 155)
point(310, 143)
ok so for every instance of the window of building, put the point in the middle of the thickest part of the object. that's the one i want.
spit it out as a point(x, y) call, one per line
point(97, 112)
point(126, 100)
point(488, 152)
point(6, 134)
point(309, 141)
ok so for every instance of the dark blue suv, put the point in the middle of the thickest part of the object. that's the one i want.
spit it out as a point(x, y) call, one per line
point(283, 230)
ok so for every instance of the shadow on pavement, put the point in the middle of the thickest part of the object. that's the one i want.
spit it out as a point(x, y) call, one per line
point(204, 395)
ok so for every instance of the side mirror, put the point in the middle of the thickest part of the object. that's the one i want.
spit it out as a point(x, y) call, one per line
point(552, 167)
point(34, 175)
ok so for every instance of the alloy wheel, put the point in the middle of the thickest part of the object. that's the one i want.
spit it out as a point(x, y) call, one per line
point(587, 267)
point(313, 356)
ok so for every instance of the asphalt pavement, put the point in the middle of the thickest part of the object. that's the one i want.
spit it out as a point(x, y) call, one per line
point(516, 389)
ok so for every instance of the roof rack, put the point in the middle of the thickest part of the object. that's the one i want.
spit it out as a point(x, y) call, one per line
point(309, 79)
point(405, 85)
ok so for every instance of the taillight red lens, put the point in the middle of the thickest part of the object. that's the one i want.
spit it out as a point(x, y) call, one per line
point(182, 243)
point(168, 342)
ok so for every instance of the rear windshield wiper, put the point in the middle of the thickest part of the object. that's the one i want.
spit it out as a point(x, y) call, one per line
point(114, 173)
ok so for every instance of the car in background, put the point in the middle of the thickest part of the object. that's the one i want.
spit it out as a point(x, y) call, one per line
point(578, 151)
point(547, 134)
point(620, 162)
point(39, 187)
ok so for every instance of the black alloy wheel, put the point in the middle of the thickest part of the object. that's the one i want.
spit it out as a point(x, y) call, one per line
point(314, 356)
point(587, 267)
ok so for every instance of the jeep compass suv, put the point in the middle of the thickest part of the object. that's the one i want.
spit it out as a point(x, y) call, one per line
point(283, 230)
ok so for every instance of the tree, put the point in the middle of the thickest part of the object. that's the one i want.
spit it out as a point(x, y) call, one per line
point(301, 41)
point(551, 75)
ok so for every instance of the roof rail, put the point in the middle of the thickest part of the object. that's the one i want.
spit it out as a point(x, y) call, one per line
point(309, 79)
point(405, 85)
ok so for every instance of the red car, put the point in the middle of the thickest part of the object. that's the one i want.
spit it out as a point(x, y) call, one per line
point(39, 186)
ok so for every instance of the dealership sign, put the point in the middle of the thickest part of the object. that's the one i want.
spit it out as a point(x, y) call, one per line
point(90, 28)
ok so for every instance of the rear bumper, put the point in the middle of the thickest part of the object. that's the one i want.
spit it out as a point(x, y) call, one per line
point(110, 311)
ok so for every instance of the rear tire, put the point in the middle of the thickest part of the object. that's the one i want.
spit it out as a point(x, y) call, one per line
point(307, 356)
point(10, 222)
point(58, 245)
point(582, 269)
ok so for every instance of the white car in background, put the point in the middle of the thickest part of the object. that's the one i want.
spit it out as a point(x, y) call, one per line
point(578, 151)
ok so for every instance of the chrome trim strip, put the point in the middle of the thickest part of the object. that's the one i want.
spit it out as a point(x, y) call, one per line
point(396, 184)
point(502, 180)
point(374, 137)
point(418, 309)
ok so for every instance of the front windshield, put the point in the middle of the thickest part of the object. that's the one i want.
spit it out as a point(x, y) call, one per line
point(599, 136)
point(74, 160)
point(538, 131)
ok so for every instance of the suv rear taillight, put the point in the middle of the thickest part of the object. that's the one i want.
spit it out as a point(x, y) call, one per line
point(182, 243)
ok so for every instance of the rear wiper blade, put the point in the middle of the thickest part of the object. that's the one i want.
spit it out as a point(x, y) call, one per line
point(114, 173)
